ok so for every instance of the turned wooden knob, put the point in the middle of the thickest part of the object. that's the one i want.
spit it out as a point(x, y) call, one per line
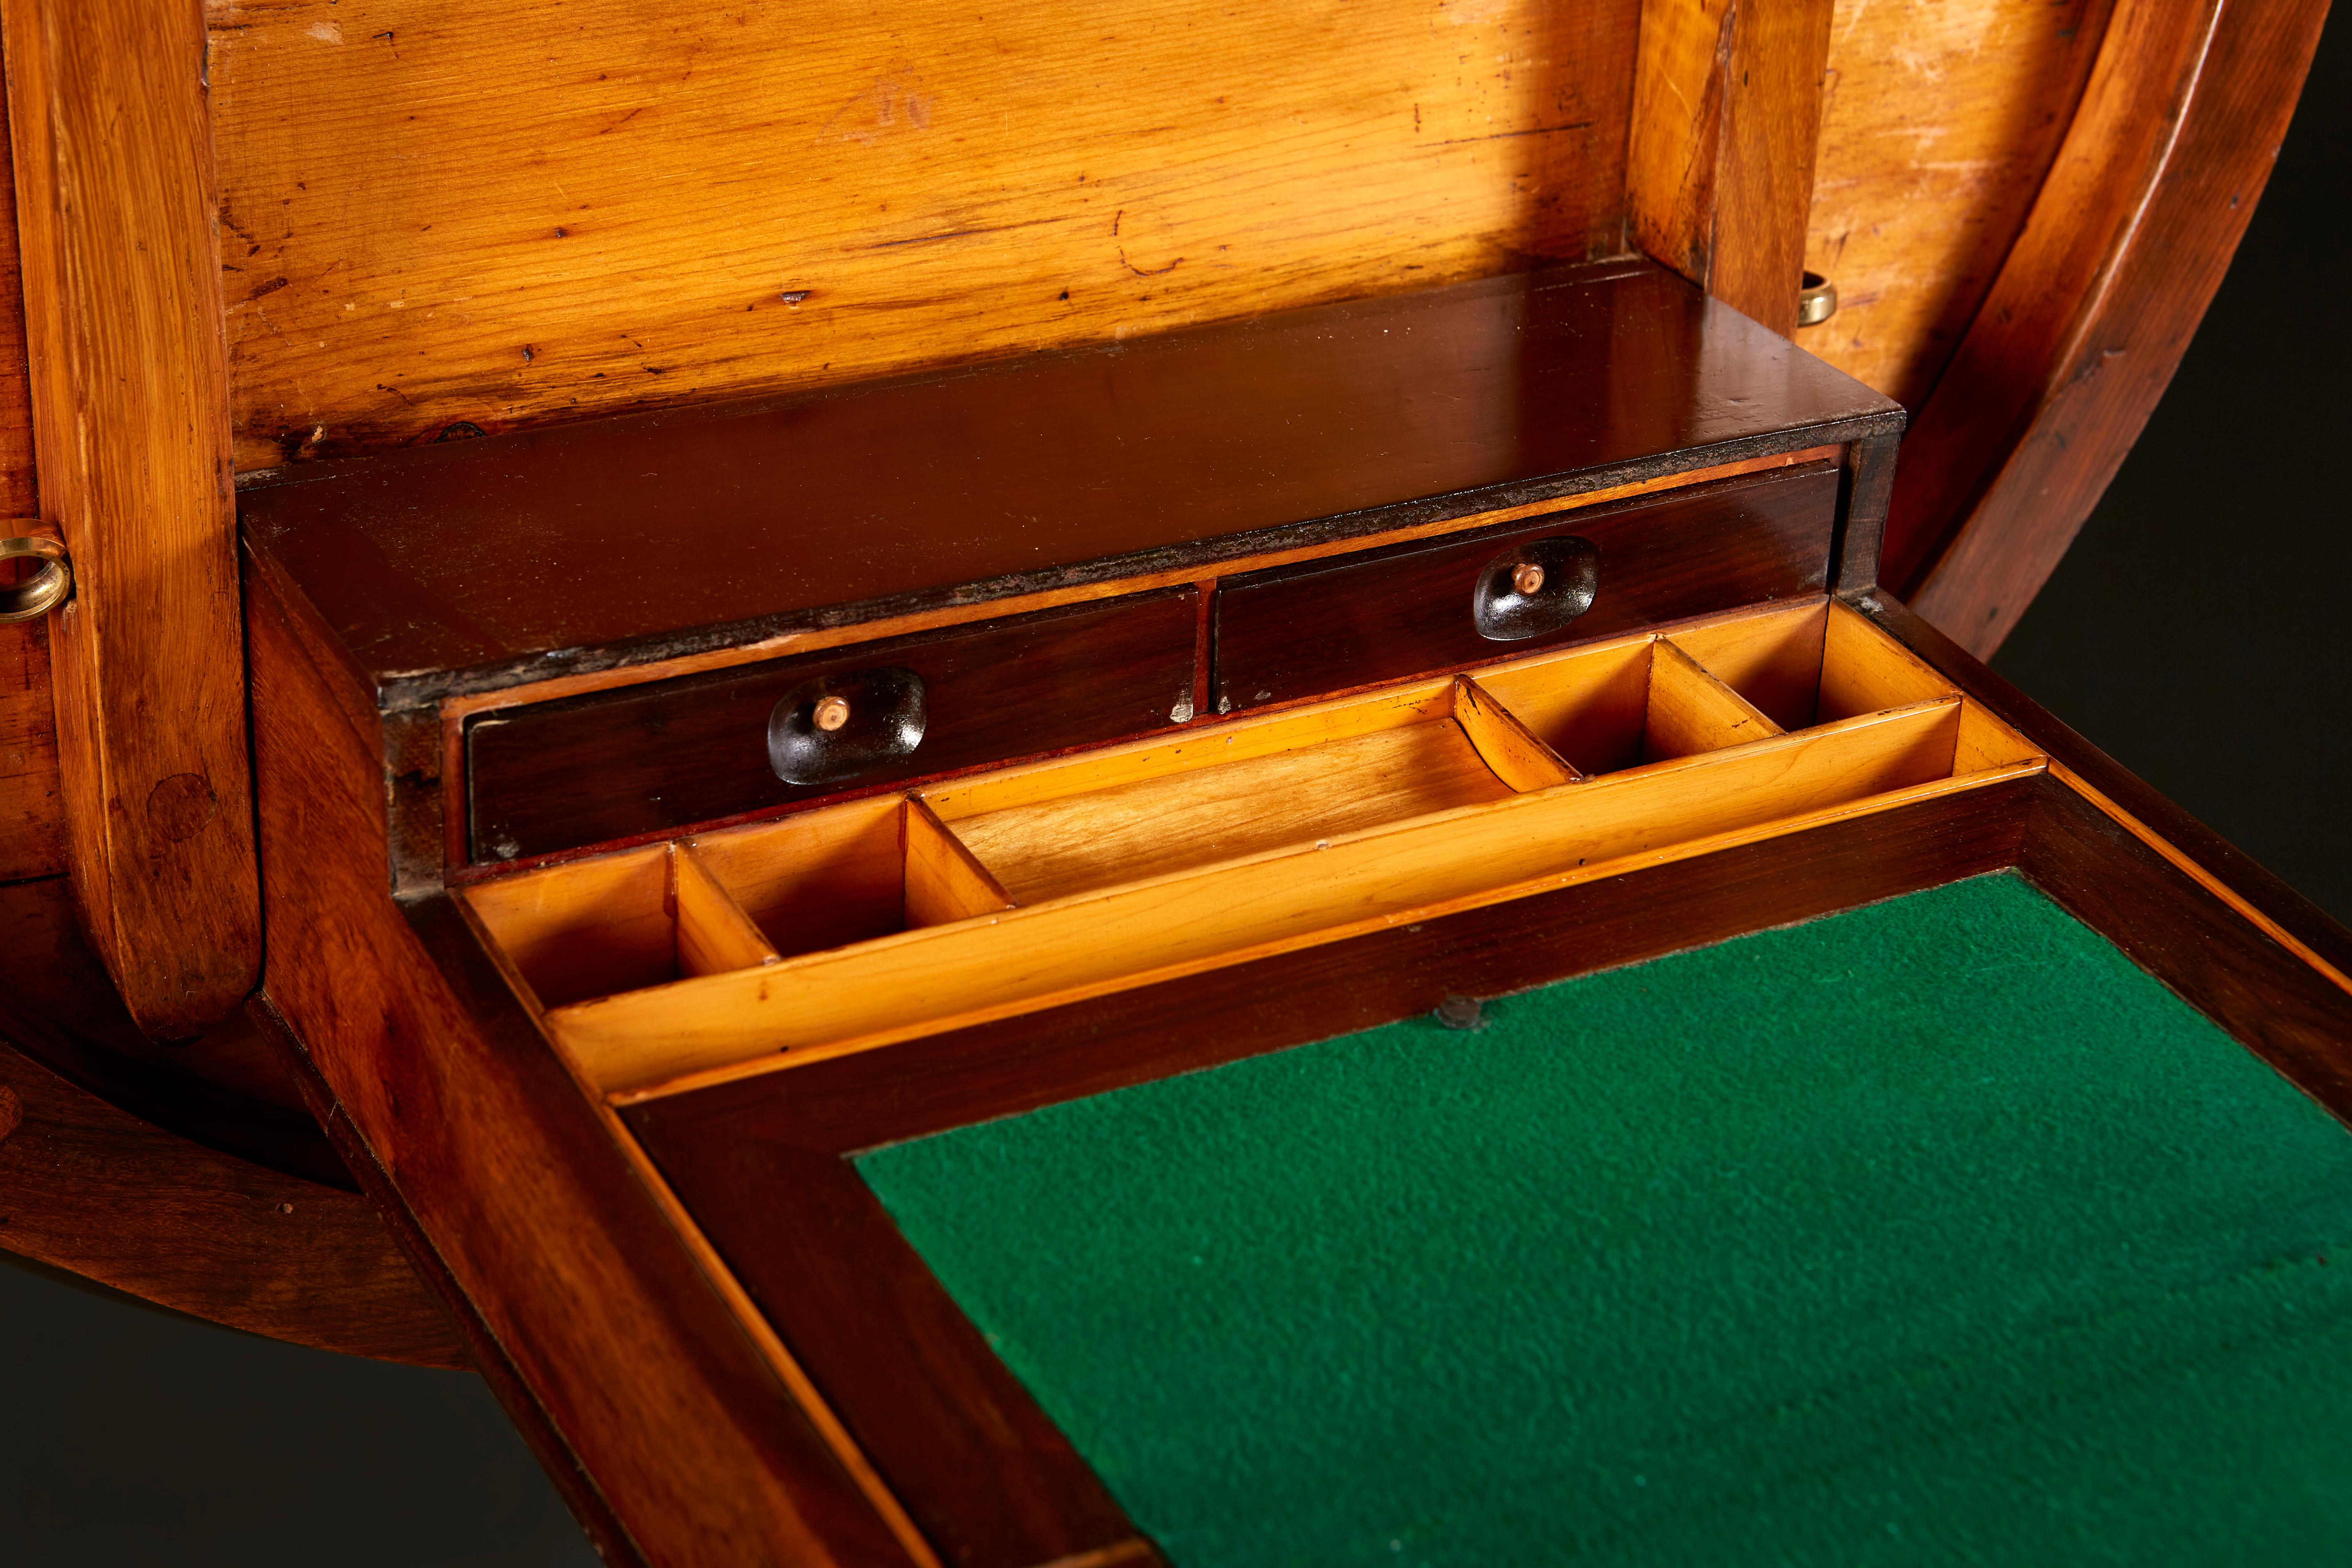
point(830, 713)
point(1528, 577)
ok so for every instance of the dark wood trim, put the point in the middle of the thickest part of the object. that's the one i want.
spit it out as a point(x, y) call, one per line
point(1869, 476)
point(472, 567)
point(2215, 960)
point(2294, 913)
point(957, 1438)
point(2174, 138)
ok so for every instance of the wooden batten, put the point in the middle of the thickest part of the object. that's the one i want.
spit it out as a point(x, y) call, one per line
point(1720, 173)
point(116, 210)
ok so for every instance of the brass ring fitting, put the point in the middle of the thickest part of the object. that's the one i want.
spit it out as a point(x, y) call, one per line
point(1816, 301)
point(45, 589)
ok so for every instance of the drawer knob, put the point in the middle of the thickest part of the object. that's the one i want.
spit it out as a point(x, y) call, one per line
point(835, 728)
point(1535, 588)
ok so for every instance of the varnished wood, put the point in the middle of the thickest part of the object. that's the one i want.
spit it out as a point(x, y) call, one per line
point(961, 1438)
point(814, 880)
point(945, 880)
point(655, 758)
point(716, 204)
point(1349, 620)
point(1940, 123)
point(1774, 659)
point(471, 566)
point(865, 997)
point(2127, 242)
point(177, 1175)
point(2109, 781)
point(1512, 751)
point(1183, 820)
point(714, 935)
point(1726, 118)
point(1862, 670)
point(116, 210)
point(1591, 705)
point(489, 1144)
point(89, 1188)
point(32, 800)
point(1690, 711)
point(457, 709)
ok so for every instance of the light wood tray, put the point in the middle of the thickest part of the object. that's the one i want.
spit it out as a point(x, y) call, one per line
point(853, 925)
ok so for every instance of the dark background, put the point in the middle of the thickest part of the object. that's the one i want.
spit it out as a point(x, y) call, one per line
point(2197, 632)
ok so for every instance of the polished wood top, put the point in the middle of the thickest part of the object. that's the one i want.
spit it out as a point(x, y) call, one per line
point(470, 565)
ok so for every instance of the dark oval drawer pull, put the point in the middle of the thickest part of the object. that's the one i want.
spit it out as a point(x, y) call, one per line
point(1534, 588)
point(835, 727)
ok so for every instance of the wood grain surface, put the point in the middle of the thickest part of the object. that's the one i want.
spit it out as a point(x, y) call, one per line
point(1727, 117)
point(1304, 894)
point(590, 1295)
point(435, 214)
point(667, 756)
point(115, 210)
point(989, 1475)
point(2127, 244)
point(179, 1174)
point(1939, 121)
point(89, 1188)
point(32, 801)
point(459, 569)
point(1297, 631)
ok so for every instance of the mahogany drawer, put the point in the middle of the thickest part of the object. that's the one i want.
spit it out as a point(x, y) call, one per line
point(669, 754)
point(1380, 615)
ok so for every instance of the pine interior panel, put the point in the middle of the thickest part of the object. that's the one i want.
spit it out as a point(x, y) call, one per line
point(435, 214)
point(1939, 118)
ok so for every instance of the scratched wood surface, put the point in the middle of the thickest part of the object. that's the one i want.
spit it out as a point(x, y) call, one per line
point(115, 214)
point(436, 214)
point(1726, 116)
point(1939, 120)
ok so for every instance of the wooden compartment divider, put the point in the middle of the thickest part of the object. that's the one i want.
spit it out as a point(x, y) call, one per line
point(945, 883)
point(1513, 752)
point(1690, 710)
point(880, 919)
point(1032, 957)
point(713, 933)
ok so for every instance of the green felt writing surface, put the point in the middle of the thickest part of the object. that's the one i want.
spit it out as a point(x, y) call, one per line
point(1929, 1232)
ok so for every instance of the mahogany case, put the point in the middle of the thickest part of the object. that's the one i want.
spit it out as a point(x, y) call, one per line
point(677, 805)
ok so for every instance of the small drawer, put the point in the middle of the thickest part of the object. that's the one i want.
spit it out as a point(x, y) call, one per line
point(670, 754)
point(1447, 603)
